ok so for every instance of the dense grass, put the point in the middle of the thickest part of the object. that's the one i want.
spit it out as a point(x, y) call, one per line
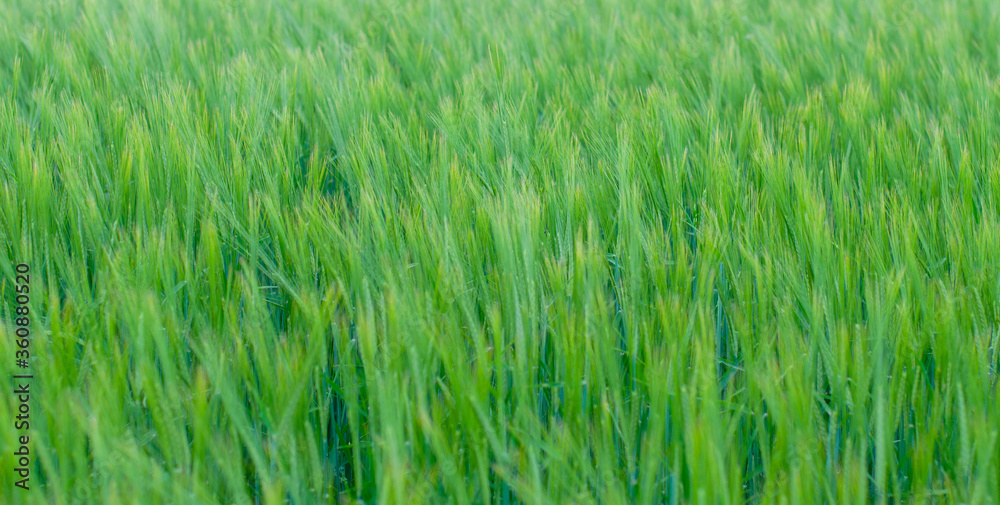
point(473, 251)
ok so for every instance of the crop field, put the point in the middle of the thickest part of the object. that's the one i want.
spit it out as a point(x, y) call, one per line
point(499, 252)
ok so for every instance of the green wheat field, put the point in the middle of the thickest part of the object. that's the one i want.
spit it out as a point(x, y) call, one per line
point(501, 252)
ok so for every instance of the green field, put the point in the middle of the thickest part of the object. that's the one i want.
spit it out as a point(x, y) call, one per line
point(500, 252)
